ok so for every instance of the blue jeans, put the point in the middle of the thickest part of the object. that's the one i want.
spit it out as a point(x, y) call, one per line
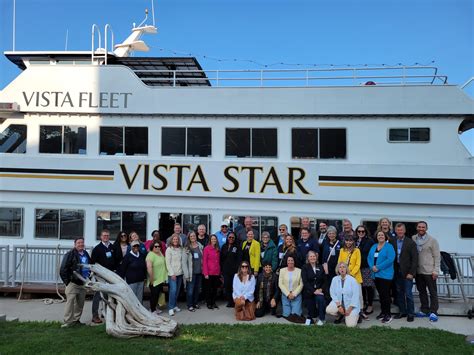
point(405, 295)
point(313, 301)
point(174, 287)
point(192, 290)
point(291, 306)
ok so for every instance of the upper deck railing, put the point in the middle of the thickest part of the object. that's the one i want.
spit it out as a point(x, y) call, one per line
point(388, 76)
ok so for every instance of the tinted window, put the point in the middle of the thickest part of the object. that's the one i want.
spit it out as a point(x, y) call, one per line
point(135, 221)
point(467, 231)
point(173, 141)
point(62, 224)
point(332, 143)
point(419, 134)
point(136, 140)
point(264, 142)
point(304, 143)
point(50, 139)
point(237, 142)
point(75, 139)
point(398, 135)
point(199, 142)
point(109, 220)
point(10, 221)
point(126, 221)
point(13, 139)
point(409, 134)
point(47, 225)
point(111, 140)
point(71, 224)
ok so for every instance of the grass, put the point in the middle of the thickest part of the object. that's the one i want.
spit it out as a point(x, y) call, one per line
point(49, 338)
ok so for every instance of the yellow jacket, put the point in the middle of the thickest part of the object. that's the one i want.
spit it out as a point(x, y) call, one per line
point(284, 282)
point(353, 260)
point(254, 253)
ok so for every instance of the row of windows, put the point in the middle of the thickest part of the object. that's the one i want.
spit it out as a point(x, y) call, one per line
point(306, 143)
point(69, 223)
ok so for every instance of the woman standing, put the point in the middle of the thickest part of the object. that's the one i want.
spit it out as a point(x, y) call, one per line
point(286, 250)
point(157, 274)
point(156, 238)
point(266, 291)
point(243, 293)
point(133, 236)
point(364, 243)
point(194, 251)
point(331, 254)
point(120, 247)
point(345, 297)
point(251, 252)
point(291, 285)
point(176, 263)
point(133, 269)
point(385, 225)
point(269, 252)
point(314, 282)
point(231, 257)
point(211, 270)
point(381, 257)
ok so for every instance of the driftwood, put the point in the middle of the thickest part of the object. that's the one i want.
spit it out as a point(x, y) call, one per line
point(125, 316)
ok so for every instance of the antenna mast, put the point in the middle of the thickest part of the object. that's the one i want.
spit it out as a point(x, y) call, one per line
point(153, 12)
point(14, 23)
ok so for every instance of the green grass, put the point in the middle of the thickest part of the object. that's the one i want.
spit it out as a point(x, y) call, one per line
point(49, 338)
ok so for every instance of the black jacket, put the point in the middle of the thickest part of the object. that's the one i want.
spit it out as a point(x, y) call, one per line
point(230, 258)
point(364, 247)
point(408, 257)
point(133, 269)
point(283, 257)
point(104, 256)
point(311, 280)
point(71, 262)
point(259, 284)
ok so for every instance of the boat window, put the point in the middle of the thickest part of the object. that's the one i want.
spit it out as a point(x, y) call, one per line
point(467, 231)
point(251, 142)
point(13, 139)
point(259, 223)
point(297, 224)
point(372, 226)
point(123, 140)
point(11, 222)
point(59, 224)
point(318, 143)
point(407, 135)
point(188, 222)
point(127, 221)
point(63, 139)
point(186, 141)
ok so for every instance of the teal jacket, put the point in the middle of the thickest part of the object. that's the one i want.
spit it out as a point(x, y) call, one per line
point(270, 255)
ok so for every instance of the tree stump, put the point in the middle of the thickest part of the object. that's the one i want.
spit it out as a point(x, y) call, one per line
point(125, 316)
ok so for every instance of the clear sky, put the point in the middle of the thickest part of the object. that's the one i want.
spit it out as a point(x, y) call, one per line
point(238, 33)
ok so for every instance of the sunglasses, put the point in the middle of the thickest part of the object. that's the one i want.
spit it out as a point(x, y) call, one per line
point(282, 229)
point(156, 246)
point(231, 237)
point(123, 235)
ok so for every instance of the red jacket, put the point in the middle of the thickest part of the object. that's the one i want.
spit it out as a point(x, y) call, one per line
point(210, 261)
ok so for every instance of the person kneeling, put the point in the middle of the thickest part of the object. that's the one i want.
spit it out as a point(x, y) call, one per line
point(243, 293)
point(344, 292)
point(291, 285)
point(267, 291)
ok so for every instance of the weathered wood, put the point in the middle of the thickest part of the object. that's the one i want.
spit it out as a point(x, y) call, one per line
point(125, 315)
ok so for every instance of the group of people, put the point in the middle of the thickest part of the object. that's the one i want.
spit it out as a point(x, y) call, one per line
point(329, 272)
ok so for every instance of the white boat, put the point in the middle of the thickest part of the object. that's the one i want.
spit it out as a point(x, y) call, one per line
point(98, 139)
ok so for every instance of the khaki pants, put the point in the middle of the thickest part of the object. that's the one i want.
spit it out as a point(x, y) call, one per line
point(75, 297)
point(351, 320)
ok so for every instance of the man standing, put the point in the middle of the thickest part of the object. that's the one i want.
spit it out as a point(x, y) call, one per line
point(102, 254)
point(242, 233)
point(306, 223)
point(77, 259)
point(202, 237)
point(223, 234)
point(405, 265)
point(283, 230)
point(429, 259)
point(347, 230)
point(323, 230)
point(177, 230)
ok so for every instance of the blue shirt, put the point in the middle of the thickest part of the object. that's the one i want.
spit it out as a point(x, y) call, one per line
point(85, 269)
point(399, 248)
point(221, 238)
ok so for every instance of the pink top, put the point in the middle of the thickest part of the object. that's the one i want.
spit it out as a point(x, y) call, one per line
point(163, 246)
point(210, 261)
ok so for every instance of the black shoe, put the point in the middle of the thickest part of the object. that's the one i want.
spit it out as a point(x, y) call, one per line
point(400, 316)
point(215, 306)
point(196, 306)
point(210, 306)
point(387, 319)
point(229, 305)
point(380, 316)
point(410, 318)
point(359, 320)
point(339, 319)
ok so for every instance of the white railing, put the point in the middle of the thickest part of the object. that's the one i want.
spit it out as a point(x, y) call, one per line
point(391, 76)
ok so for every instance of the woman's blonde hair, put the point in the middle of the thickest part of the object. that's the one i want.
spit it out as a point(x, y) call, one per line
point(339, 264)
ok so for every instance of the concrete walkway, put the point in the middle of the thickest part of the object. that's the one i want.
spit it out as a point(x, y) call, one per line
point(37, 310)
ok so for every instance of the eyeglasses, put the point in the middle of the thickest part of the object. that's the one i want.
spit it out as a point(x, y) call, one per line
point(156, 246)
point(245, 266)
point(231, 237)
point(361, 231)
point(282, 229)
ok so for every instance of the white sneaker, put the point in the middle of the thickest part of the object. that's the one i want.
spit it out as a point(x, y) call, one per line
point(176, 309)
point(171, 312)
point(320, 322)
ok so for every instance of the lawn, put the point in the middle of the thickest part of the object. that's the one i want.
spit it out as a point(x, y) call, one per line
point(49, 338)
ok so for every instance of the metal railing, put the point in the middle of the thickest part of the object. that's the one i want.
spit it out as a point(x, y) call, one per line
point(365, 76)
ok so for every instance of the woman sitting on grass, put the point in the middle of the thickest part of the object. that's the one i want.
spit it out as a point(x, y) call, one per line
point(291, 285)
point(243, 293)
point(345, 293)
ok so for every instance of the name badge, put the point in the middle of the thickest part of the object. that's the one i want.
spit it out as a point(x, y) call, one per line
point(196, 255)
point(262, 253)
point(280, 255)
point(224, 240)
point(376, 255)
point(234, 250)
point(108, 254)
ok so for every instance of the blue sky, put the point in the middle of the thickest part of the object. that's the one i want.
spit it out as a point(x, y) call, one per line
point(310, 32)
